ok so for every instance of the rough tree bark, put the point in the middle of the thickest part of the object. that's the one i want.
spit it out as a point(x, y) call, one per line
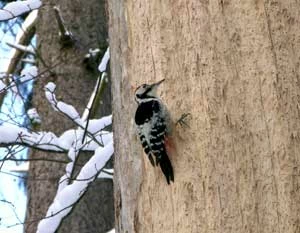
point(87, 21)
point(234, 65)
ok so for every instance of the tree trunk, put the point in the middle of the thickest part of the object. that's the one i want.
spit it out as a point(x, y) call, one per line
point(75, 83)
point(234, 65)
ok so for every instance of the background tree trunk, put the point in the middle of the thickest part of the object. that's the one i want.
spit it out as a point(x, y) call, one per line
point(234, 65)
point(87, 22)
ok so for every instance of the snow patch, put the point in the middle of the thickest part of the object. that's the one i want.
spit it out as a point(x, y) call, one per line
point(70, 194)
point(104, 61)
point(29, 73)
point(34, 116)
point(68, 109)
point(2, 86)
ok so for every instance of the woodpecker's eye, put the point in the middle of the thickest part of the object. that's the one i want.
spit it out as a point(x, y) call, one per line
point(144, 86)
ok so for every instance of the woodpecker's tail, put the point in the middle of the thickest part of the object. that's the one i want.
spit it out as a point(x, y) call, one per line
point(166, 167)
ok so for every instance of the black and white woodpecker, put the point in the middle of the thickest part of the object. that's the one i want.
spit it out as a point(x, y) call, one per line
point(153, 126)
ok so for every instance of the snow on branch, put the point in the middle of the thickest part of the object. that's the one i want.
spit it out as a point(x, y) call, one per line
point(111, 231)
point(70, 188)
point(15, 135)
point(106, 174)
point(2, 85)
point(34, 116)
point(23, 37)
point(104, 61)
point(13, 83)
point(67, 109)
point(67, 197)
point(17, 8)
point(70, 112)
point(98, 90)
point(73, 139)
point(82, 123)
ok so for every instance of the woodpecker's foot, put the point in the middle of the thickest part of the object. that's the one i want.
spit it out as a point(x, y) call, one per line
point(182, 121)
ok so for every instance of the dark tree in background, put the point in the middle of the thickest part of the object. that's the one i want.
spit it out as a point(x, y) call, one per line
point(64, 66)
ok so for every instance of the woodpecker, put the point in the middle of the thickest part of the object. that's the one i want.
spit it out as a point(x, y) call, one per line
point(152, 121)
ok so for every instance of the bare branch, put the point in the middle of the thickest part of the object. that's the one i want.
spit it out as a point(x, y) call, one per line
point(13, 209)
point(34, 159)
point(24, 38)
point(96, 95)
point(66, 37)
point(24, 49)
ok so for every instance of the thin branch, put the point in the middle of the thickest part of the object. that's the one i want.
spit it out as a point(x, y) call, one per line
point(28, 177)
point(24, 39)
point(97, 93)
point(50, 216)
point(13, 208)
point(89, 108)
point(5, 157)
point(65, 208)
point(24, 49)
point(35, 159)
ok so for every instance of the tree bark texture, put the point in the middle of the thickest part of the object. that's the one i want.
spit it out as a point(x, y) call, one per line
point(234, 65)
point(64, 66)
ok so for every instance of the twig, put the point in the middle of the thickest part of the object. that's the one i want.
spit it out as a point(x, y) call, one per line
point(23, 48)
point(100, 86)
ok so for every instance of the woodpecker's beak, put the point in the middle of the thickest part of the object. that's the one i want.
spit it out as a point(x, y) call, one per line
point(158, 83)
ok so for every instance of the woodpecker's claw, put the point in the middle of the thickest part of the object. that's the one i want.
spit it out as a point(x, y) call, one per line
point(182, 121)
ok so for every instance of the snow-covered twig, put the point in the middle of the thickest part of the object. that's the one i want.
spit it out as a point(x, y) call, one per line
point(111, 231)
point(15, 135)
point(8, 82)
point(106, 174)
point(103, 64)
point(34, 117)
point(17, 8)
point(70, 112)
point(29, 61)
point(69, 195)
point(98, 90)
point(48, 141)
point(23, 37)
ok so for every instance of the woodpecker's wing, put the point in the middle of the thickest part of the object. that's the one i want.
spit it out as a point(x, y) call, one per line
point(157, 143)
point(144, 119)
point(146, 147)
point(157, 136)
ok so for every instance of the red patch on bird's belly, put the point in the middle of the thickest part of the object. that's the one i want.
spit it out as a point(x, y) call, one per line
point(170, 145)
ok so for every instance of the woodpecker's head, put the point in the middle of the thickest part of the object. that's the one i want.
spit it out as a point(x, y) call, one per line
point(146, 91)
